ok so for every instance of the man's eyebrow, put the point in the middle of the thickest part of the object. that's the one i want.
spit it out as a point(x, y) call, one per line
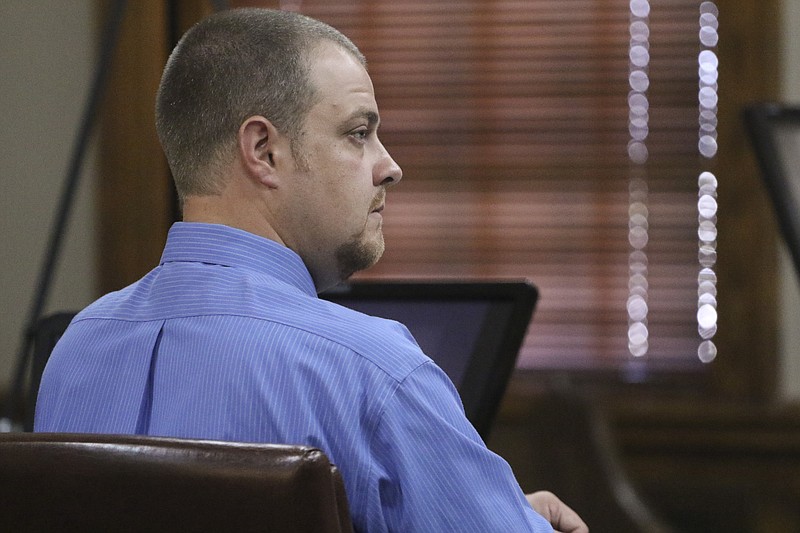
point(372, 117)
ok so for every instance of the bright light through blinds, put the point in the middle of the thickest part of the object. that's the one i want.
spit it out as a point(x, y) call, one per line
point(638, 107)
point(707, 184)
point(638, 223)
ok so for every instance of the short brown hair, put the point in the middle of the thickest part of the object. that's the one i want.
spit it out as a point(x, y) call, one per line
point(230, 66)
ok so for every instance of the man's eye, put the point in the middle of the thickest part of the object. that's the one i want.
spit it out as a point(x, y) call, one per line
point(360, 135)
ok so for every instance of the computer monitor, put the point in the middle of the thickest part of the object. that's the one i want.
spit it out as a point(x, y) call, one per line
point(775, 134)
point(472, 330)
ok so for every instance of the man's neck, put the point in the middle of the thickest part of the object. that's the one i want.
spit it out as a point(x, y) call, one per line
point(217, 209)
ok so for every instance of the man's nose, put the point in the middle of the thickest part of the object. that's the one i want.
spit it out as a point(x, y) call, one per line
point(387, 171)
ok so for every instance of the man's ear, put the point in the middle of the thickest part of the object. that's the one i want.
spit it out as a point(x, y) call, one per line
point(260, 145)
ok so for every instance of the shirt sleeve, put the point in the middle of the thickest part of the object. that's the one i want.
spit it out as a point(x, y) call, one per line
point(433, 472)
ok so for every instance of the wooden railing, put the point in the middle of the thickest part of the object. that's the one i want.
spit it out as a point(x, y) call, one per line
point(640, 464)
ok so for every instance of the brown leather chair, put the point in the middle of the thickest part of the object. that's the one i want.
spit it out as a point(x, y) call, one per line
point(81, 482)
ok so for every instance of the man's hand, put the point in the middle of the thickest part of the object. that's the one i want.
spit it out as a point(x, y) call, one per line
point(562, 518)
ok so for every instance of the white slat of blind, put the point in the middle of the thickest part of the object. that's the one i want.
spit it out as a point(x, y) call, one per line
point(510, 119)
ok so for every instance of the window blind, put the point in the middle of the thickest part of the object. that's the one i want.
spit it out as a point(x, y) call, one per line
point(511, 120)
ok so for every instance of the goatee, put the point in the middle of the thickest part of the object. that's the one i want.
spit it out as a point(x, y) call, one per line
point(363, 250)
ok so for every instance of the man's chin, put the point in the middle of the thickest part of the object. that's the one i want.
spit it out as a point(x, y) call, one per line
point(359, 255)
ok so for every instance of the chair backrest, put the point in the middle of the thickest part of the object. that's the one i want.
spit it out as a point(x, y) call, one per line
point(83, 482)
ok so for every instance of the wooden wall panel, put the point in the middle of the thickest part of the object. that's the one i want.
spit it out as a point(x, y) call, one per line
point(134, 183)
point(747, 242)
point(136, 200)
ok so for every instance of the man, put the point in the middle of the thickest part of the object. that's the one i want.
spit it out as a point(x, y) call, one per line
point(269, 123)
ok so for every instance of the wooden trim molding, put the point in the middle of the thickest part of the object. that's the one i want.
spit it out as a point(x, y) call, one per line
point(134, 182)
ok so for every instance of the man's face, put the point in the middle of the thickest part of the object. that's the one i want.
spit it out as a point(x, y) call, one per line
point(341, 172)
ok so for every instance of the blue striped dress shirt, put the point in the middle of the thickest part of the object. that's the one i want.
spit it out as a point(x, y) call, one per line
point(226, 339)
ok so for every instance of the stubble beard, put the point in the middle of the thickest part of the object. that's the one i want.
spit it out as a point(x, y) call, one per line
point(360, 253)
point(364, 249)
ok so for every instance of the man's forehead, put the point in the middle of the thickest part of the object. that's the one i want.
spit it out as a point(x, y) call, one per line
point(332, 67)
point(342, 86)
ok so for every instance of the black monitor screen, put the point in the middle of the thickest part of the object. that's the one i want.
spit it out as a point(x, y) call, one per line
point(446, 331)
point(473, 331)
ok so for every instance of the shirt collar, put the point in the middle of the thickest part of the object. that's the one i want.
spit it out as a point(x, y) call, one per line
point(223, 245)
